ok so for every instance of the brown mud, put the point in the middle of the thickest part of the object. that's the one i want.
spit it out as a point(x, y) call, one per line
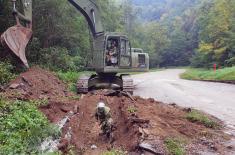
point(136, 120)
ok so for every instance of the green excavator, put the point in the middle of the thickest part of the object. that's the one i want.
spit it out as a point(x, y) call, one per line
point(112, 57)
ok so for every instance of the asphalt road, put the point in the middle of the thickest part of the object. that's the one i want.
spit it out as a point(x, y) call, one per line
point(217, 99)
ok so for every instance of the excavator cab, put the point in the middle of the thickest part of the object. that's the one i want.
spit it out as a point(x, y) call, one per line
point(117, 53)
point(140, 60)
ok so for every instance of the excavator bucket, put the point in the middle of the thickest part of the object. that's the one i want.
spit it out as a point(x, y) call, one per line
point(16, 39)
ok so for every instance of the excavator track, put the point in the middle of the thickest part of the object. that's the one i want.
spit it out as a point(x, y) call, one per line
point(86, 83)
point(82, 85)
point(128, 85)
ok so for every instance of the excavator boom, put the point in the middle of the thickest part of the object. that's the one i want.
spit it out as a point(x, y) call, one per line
point(91, 12)
point(17, 37)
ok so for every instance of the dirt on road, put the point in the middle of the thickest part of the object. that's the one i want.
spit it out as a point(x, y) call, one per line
point(137, 120)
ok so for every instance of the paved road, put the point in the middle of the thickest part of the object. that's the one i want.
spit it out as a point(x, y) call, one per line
point(214, 98)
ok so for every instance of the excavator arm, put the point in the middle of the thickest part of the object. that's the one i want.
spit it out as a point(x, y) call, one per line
point(91, 12)
point(17, 37)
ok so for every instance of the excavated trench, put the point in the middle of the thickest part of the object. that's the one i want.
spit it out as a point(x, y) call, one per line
point(85, 128)
point(139, 122)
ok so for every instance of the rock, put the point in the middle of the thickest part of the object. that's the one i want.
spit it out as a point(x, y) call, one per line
point(139, 120)
point(1, 88)
point(43, 97)
point(144, 132)
point(26, 81)
point(214, 147)
point(151, 100)
point(150, 148)
point(187, 110)
point(64, 109)
point(93, 147)
point(64, 143)
point(173, 104)
point(76, 109)
point(14, 86)
point(230, 147)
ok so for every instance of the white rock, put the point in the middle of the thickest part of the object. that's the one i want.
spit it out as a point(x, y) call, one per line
point(93, 147)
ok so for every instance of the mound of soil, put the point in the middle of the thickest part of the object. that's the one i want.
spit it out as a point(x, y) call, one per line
point(36, 83)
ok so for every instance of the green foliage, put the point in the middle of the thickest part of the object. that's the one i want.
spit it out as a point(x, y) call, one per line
point(203, 60)
point(61, 36)
point(197, 116)
point(57, 58)
point(6, 73)
point(216, 31)
point(6, 18)
point(22, 127)
point(71, 78)
point(132, 109)
point(225, 74)
point(174, 146)
point(115, 152)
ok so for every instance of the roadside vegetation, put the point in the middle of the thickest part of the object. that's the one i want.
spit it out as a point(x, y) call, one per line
point(23, 127)
point(175, 146)
point(197, 116)
point(71, 78)
point(6, 73)
point(115, 152)
point(225, 74)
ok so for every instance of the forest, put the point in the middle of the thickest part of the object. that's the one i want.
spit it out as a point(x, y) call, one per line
point(199, 33)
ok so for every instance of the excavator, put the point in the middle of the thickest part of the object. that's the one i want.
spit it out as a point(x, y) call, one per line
point(110, 68)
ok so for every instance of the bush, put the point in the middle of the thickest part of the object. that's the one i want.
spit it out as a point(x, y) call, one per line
point(230, 62)
point(202, 60)
point(6, 73)
point(22, 127)
point(54, 58)
point(71, 78)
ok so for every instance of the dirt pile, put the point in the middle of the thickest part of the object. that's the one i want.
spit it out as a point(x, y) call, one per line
point(36, 83)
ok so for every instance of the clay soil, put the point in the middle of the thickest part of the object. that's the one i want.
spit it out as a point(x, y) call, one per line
point(136, 120)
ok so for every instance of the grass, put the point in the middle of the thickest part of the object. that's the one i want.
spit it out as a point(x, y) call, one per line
point(132, 109)
point(174, 146)
point(197, 116)
point(23, 127)
point(71, 78)
point(114, 152)
point(225, 74)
